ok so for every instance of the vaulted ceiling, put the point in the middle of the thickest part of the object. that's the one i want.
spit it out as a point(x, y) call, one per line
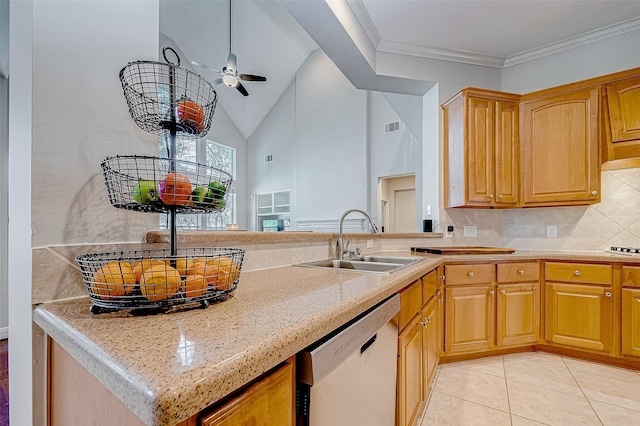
point(274, 37)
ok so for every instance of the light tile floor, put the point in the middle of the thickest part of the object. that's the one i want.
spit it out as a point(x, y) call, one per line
point(533, 389)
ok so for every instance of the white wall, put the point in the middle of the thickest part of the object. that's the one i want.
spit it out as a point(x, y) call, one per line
point(393, 154)
point(275, 136)
point(330, 141)
point(4, 164)
point(431, 168)
point(590, 60)
point(80, 116)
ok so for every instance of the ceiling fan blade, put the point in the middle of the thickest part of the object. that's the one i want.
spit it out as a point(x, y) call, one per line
point(251, 77)
point(241, 89)
point(232, 63)
point(216, 82)
point(198, 64)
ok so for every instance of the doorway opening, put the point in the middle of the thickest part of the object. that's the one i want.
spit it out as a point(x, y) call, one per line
point(397, 203)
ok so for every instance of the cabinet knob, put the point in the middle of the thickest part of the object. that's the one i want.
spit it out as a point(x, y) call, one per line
point(594, 193)
point(491, 196)
point(428, 320)
point(491, 292)
point(520, 271)
point(608, 294)
point(471, 274)
point(577, 273)
point(442, 277)
point(424, 324)
point(500, 197)
point(441, 300)
point(503, 291)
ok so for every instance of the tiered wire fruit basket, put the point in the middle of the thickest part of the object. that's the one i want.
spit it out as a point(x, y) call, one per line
point(172, 102)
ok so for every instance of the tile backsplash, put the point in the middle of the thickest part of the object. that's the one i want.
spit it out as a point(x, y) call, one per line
point(615, 221)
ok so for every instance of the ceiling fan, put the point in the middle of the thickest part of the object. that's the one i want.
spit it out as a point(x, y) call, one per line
point(229, 73)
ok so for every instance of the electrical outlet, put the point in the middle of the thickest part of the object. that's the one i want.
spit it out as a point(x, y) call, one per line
point(449, 232)
point(552, 231)
point(470, 231)
point(369, 244)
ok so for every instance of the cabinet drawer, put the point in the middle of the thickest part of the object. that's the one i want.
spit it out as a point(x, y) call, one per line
point(469, 274)
point(631, 276)
point(578, 272)
point(410, 304)
point(518, 272)
point(429, 286)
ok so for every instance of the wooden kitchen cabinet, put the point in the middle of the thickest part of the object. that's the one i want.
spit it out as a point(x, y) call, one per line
point(269, 401)
point(419, 344)
point(560, 149)
point(481, 132)
point(631, 322)
point(517, 314)
point(579, 305)
point(469, 318)
point(621, 114)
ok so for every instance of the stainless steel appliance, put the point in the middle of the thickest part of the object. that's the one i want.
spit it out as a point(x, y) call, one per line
point(349, 377)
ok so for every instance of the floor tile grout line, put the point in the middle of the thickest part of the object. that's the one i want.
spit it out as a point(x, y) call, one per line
point(583, 392)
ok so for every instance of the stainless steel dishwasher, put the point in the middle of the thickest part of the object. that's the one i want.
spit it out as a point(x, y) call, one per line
point(349, 377)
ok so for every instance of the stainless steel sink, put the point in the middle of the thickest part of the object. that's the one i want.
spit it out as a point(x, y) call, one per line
point(374, 264)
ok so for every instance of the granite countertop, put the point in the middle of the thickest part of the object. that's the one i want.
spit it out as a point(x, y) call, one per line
point(167, 367)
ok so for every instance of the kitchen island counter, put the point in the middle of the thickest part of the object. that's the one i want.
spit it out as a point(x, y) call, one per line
point(166, 367)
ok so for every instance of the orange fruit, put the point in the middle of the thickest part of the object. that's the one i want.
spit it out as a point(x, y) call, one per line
point(191, 113)
point(160, 282)
point(174, 189)
point(194, 286)
point(144, 264)
point(227, 272)
point(113, 280)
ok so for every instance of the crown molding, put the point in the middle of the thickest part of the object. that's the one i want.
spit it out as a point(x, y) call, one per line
point(573, 42)
point(402, 48)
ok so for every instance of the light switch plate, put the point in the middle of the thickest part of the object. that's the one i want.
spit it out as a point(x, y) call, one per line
point(470, 231)
point(552, 231)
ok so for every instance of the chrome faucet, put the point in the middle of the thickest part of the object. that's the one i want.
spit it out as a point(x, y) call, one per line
point(340, 251)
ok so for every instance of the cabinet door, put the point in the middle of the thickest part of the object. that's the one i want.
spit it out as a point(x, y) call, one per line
point(469, 318)
point(410, 373)
point(631, 322)
point(506, 154)
point(269, 401)
point(430, 340)
point(579, 315)
point(480, 156)
point(624, 110)
point(560, 149)
point(518, 314)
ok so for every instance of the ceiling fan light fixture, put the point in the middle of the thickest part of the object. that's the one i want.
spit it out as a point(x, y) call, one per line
point(230, 80)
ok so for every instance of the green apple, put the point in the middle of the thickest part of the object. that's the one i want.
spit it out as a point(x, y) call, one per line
point(144, 192)
point(219, 204)
point(217, 189)
point(201, 196)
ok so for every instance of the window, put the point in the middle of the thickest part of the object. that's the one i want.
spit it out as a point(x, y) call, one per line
point(212, 154)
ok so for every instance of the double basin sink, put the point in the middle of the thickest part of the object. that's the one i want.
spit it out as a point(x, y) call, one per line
point(374, 264)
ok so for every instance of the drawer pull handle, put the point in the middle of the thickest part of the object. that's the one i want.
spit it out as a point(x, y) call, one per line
point(471, 274)
point(608, 294)
point(520, 271)
point(491, 292)
point(503, 291)
point(577, 273)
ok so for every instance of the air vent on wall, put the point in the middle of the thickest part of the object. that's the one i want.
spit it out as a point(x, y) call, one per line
point(391, 127)
point(268, 158)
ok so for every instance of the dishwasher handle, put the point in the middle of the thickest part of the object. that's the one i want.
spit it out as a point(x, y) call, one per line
point(368, 344)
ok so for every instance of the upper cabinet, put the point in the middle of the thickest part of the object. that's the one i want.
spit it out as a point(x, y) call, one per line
point(621, 124)
point(481, 149)
point(560, 155)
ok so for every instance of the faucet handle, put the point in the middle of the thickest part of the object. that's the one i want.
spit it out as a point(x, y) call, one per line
point(358, 251)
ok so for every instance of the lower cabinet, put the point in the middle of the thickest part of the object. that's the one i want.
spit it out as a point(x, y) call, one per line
point(631, 322)
point(269, 401)
point(469, 318)
point(579, 315)
point(517, 314)
point(419, 344)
